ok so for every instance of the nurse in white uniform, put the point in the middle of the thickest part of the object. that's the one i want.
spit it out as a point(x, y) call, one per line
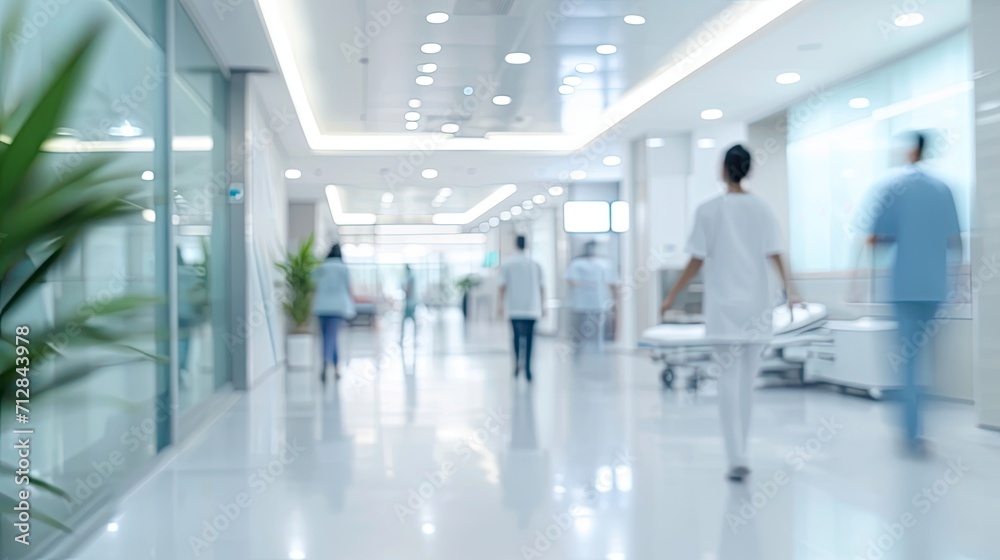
point(734, 237)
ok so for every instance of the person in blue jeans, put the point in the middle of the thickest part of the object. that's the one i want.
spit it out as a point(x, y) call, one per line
point(333, 305)
point(916, 213)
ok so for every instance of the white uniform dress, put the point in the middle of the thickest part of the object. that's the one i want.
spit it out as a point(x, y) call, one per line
point(735, 234)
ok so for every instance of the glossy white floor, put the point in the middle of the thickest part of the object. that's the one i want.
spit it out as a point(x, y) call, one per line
point(451, 459)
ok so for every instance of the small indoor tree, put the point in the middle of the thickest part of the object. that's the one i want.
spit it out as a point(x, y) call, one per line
point(300, 287)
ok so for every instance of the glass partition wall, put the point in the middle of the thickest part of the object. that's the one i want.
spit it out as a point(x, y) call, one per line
point(98, 435)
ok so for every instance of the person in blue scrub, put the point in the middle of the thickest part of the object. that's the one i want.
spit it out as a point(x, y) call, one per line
point(916, 213)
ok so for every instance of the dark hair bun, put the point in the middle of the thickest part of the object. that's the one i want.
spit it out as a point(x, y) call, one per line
point(737, 163)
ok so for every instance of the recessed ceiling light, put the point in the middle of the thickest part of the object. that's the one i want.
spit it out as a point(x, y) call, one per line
point(611, 161)
point(788, 78)
point(635, 20)
point(504, 216)
point(412, 116)
point(909, 20)
point(494, 221)
point(501, 100)
point(445, 192)
point(555, 190)
point(411, 125)
point(655, 142)
point(606, 49)
point(427, 528)
point(289, 174)
point(112, 527)
point(427, 68)
point(424, 80)
point(429, 173)
point(484, 227)
point(566, 90)
point(449, 128)
point(468, 90)
point(538, 199)
point(516, 210)
point(711, 114)
point(387, 198)
point(148, 176)
point(859, 103)
point(517, 58)
point(578, 175)
point(437, 17)
point(414, 104)
point(430, 48)
point(585, 68)
point(573, 80)
point(706, 143)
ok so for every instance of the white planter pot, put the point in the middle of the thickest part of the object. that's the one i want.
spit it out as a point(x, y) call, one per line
point(301, 352)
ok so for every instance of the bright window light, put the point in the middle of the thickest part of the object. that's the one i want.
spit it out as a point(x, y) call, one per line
point(148, 176)
point(859, 103)
point(501, 100)
point(706, 143)
point(412, 116)
point(588, 216)
point(414, 104)
point(517, 58)
point(566, 90)
point(606, 49)
point(573, 80)
point(611, 161)
point(449, 128)
point(430, 48)
point(711, 114)
point(424, 80)
point(482, 207)
point(586, 68)
point(538, 199)
point(556, 190)
point(620, 219)
point(635, 20)
point(427, 68)
point(578, 175)
point(429, 173)
point(788, 78)
point(412, 229)
point(411, 126)
point(909, 20)
point(437, 17)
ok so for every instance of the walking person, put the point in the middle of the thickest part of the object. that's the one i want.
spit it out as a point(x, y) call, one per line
point(734, 237)
point(593, 283)
point(333, 304)
point(409, 304)
point(916, 213)
point(521, 295)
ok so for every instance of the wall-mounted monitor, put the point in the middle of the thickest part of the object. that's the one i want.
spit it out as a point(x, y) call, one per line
point(587, 216)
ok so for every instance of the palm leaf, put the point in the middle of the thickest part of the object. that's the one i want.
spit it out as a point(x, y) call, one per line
point(6, 470)
point(9, 503)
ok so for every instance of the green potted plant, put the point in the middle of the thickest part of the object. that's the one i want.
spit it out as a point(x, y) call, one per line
point(43, 217)
point(298, 268)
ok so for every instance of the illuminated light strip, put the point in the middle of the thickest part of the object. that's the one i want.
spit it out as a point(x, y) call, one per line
point(485, 205)
point(340, 217)
point(416, 229)
point(903, 107)
point(77, 146)
point(749, 19)
point(432, 239)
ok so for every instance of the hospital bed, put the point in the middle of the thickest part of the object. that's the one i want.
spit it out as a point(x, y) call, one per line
point(687, 346)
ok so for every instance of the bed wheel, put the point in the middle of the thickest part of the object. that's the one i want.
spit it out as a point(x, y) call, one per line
point(668, 378)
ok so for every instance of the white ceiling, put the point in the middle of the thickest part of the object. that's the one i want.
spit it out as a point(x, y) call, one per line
point(827, 41)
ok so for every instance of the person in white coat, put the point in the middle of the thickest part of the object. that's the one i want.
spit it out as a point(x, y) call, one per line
point(733, 238)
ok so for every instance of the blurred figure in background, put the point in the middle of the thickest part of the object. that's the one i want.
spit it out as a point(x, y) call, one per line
point(593, 283)
point(333, 304)
point(409, 304)
point(916, 213)
point(521, 296)
point(735, 236)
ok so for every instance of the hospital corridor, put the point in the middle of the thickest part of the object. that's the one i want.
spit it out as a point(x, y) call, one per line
point(499, 279)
